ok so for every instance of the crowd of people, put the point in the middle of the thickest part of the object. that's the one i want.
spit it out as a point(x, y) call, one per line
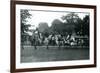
point(53, 40)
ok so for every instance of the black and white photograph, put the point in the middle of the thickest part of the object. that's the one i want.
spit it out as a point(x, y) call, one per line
point(54, 35)
point(48, 36)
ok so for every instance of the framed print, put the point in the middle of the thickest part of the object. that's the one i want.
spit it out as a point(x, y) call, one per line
point(52, 36)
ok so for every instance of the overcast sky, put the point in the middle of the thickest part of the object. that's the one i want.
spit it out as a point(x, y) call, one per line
point(48, 17)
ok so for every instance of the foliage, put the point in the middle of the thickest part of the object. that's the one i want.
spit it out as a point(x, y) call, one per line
point(24, 26)
point(70, 18)
point(44, 28)
point(73, 23)
point(57, 26)
point(85, 26)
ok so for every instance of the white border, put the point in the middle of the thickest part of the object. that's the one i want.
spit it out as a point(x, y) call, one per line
point(53, 64)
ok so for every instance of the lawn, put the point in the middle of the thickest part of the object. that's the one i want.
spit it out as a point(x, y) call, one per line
point(54, 53)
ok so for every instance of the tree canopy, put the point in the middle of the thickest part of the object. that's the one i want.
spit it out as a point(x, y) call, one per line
point(24, 26)
point(73, 23)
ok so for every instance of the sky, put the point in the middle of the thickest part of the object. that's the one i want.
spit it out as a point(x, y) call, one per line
point(48, 17)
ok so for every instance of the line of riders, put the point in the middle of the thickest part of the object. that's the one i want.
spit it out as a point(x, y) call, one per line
point(53, 40)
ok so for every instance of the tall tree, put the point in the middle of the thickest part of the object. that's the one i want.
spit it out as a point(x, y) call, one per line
point(79, 25)
point(43, 28)
point(24, 13)
point(85, 27)
point(70, 20)
point(57, 26)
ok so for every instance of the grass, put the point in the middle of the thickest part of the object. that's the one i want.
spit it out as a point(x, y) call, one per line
point(54, 53)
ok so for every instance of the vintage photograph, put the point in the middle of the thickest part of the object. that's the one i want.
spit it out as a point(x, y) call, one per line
point(49, 35)
point(52, 36)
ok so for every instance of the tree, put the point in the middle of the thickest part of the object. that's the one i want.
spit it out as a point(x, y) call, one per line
point(43, 28)
point(85, 27)
point(70, 20)
point(57, 26)
point(76, 24)
point(78, 28)
point(24, 26)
